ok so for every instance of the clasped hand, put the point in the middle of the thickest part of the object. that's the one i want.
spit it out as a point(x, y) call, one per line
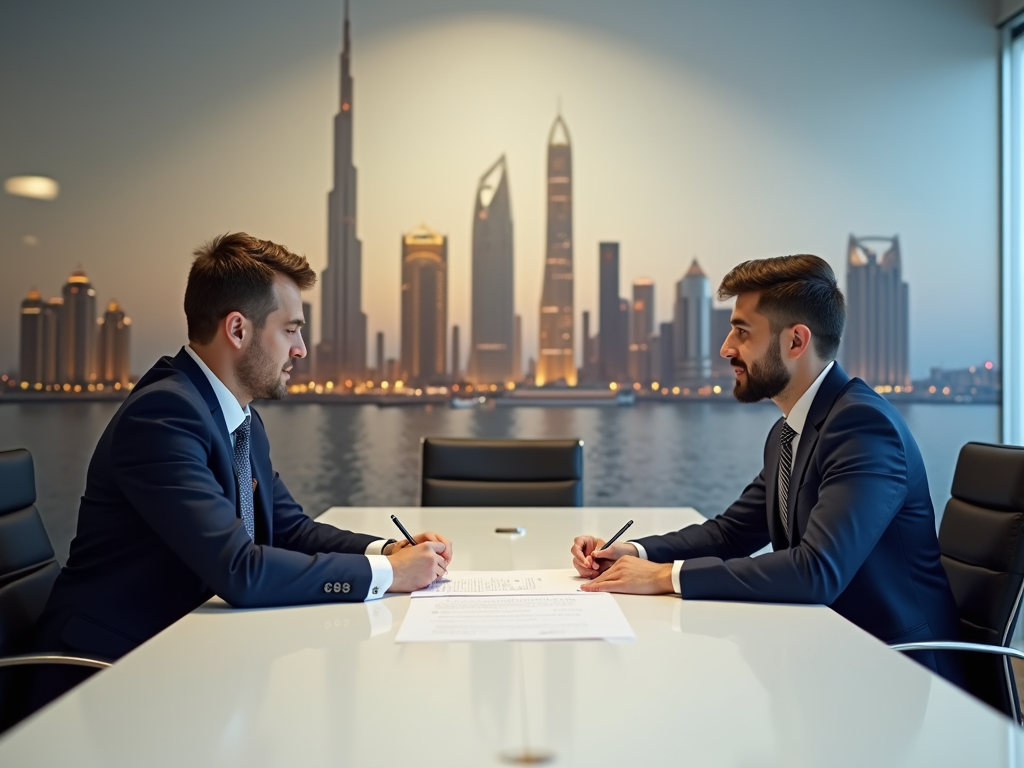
point(415, 567)
point(618, 568)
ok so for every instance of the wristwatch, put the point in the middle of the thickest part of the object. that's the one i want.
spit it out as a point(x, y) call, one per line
point(387, 544)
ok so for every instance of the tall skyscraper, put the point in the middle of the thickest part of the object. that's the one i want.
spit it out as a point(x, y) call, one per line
point(32, 339)
point(693, 326)
point(342, 352)
point(456, 354)
point(876, 343)
point(424, 358)
point(517, 348)
point(113, 349)
point(556, 361)
point(587, 372)
point(642, 328)
point(666, 355)
point(53, 341)
point(613, 339)
point(379, 370)
point(492, 280)
point(77, 360)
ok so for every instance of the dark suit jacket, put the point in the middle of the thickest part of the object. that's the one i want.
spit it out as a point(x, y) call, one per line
point(159, 531)
point(862, 528)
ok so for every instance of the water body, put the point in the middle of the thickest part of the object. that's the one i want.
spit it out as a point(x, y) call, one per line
point(653, 454)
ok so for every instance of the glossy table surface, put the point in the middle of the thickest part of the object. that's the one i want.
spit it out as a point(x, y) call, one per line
point(705, 683)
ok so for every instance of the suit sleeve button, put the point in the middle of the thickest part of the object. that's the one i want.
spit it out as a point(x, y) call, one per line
point(327, 587)
point(337, 586)
point(346, 587)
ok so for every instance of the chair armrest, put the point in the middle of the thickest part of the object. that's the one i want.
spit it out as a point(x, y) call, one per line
point(948, 645)
point(53, 658)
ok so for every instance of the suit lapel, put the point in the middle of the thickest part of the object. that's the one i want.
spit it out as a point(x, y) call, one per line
point(833, 385)
point(183, 362)
point(262, 474)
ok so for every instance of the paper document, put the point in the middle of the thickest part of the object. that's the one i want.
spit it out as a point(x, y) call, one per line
point(530, 617)
point(562, 581)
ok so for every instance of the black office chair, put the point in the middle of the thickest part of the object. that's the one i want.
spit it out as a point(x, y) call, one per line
point(27, 572)
point(981, 539)
point(501, 473)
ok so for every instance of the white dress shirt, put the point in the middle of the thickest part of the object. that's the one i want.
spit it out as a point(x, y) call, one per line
point(796, 419)
point(381, 573)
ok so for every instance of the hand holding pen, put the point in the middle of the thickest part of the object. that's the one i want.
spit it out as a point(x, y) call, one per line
point(592, 556)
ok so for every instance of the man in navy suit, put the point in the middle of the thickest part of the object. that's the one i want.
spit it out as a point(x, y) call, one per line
point(181, 500)
point(843, 496)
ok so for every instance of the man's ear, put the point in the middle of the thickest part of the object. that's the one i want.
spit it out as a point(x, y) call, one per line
point(234, 328)
point(799, 340)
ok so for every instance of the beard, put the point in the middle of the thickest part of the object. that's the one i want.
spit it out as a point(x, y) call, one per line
point(260, 374)
point(765, 378)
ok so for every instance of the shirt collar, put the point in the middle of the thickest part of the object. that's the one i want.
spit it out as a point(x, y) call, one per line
point(798, 414)
point(233, 413)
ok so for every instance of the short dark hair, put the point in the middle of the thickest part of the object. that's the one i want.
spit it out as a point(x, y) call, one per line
point(235, 273)
point(794, 289)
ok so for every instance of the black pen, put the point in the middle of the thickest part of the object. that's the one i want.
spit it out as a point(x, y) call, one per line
point(412, 541)
point(615, 538)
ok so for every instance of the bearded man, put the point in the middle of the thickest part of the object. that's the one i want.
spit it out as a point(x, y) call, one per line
point(843, 496)
point(182, 502)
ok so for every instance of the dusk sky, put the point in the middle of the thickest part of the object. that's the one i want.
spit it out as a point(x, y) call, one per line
point(717, 130)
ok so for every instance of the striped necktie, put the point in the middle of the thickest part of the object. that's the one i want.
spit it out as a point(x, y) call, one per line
point(243, 473)
point(785, 467)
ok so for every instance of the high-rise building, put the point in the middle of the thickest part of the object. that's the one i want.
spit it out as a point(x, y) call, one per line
point(517, 348)
point(303, 368)
point(642, 328)
point(588, 368)
point(32, 346)
point(692, 330)
point(379, 370)
point(556, 360)
point(456, 355)
point(342, 352)
point(77, 357)
point(424, 358)
point(666, 363)
point(876, 344)
point(613, 338)
point(490, 359)
point(53, 340)
point(113, 348)
point(721, 327)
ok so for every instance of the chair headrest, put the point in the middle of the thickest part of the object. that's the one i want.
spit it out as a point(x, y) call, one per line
point(990, 476)
point(17, 480)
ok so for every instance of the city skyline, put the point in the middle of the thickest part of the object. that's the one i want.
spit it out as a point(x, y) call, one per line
point(683, 166)
point(64, 343)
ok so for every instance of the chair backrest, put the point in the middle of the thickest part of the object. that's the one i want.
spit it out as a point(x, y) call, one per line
point(501, 473)
point(28, 569)
point(982, 543)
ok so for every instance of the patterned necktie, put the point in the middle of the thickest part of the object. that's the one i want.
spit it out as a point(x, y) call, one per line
point(243, 472)
point(785, 467)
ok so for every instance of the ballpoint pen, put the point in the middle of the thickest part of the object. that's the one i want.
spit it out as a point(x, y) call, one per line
point(614, 538)
point(408, 535)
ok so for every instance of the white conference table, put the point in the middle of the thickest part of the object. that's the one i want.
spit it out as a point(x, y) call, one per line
point(705, 683)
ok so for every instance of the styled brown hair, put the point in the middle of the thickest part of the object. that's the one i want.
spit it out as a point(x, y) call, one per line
point(794, 289)
point(235, 272)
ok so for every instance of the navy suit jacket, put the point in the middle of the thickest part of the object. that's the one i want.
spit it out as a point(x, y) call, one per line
point(862, 529)
point(159, 531)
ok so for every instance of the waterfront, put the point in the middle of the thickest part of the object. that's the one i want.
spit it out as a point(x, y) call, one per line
point(698, 454)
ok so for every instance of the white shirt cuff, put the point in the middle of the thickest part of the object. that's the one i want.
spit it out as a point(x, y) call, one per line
point(677, 566)
point(640, 551)
point(381, 576)
point(375, 547)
